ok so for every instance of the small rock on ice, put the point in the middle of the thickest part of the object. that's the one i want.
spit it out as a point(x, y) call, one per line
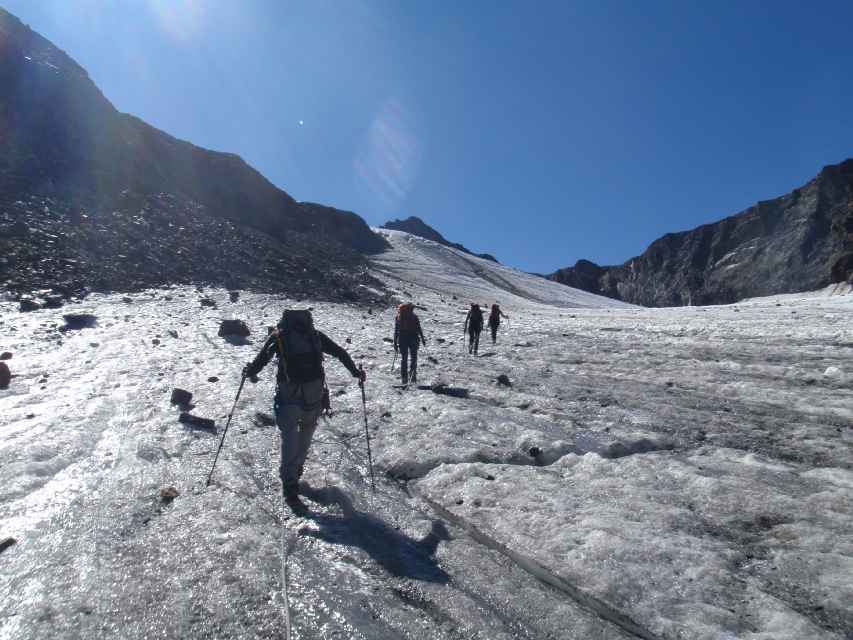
point(180, 396)
point(233, 328)
point(833, 372)
point(167, 494)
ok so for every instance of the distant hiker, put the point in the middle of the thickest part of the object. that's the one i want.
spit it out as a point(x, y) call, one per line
point(495, 321)
point(301, 393)
point(407, 336)
point(473, 325)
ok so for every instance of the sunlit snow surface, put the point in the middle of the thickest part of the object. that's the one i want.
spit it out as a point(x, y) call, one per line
point(683, 473)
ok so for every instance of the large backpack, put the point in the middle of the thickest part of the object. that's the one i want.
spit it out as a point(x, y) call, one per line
point(476, 317)
point(303, 353)
point(406, 319)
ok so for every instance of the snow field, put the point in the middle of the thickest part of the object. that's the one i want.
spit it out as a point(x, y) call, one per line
point(689, 470)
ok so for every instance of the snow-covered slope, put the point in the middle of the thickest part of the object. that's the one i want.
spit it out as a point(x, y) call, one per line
point(652, 473)
point(439, 268)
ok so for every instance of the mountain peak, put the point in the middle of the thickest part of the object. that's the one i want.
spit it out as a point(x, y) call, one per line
point(418, 227)
point(801, 241)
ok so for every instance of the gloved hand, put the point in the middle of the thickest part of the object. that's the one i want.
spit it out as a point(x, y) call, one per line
point(361, 375)
point(248, 373)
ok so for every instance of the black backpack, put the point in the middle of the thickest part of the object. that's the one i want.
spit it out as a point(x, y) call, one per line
point(303, 353)
point(476, 320)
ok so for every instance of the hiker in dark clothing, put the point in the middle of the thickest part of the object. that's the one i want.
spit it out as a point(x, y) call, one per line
point(473, 325)
point(495, 321)
point(407, 335)
point(301, 394)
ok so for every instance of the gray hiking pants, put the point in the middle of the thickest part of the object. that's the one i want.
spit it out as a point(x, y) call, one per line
point(297, 409)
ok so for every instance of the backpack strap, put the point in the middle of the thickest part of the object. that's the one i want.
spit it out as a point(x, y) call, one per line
point(281, 354)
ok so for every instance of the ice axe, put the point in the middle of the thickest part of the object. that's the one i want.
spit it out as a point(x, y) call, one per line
point(224, 433)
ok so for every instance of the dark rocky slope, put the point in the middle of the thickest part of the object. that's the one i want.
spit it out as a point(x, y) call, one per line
point(63, 140)
point(51, 250)
point(418, 227)
point(798, 242)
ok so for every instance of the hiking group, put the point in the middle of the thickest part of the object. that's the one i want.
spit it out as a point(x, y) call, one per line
point(301, 393)
point(474, 325)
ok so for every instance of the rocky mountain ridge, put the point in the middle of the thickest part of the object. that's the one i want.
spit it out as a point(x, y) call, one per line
point(63, 141)
point(418, 227)
point(798, 242)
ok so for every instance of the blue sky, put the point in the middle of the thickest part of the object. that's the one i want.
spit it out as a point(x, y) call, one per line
point(541, 132)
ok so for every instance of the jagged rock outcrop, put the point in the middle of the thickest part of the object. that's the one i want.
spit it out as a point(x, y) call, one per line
point(798, 242)
point(63, 141)
point(418, 227)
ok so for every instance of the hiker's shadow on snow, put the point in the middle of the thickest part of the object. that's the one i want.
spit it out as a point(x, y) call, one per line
point(400, 555)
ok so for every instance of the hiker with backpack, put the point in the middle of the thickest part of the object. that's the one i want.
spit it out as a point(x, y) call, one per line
point(301, 393)
point(407, 337)
point(495, 321)
point(473, 325)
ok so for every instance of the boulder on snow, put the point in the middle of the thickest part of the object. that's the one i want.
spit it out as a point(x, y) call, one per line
point(207, 302)
point(833, 373)
point(5, 375)
point(6, 543)
point(197, 422)
point(167, 494)
point(233, 328)
point(6, 355)
point(443, 390)
point(263, 419)
point(28, 304)
point(503, 380)
point(181, 397)
point(53, 301)
point(234, 296)
point(76, 321)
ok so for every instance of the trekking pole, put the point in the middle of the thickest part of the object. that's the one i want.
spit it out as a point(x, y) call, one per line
point(224, 433)
point(366, 432)
point(394, 362)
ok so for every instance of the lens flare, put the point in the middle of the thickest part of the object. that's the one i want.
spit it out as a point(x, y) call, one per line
point(388, 164)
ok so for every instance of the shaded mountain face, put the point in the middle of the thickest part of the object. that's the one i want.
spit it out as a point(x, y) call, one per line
point(799, 242)
point(418, 227)
point(62, 139)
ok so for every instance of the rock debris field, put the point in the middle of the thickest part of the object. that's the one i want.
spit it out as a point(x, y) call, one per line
point(646, 473)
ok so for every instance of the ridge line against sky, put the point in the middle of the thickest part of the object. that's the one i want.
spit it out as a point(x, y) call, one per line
point(578, 130)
